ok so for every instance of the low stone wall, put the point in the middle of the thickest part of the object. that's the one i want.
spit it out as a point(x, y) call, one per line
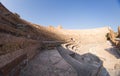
point(87, 36)
point(12, 63)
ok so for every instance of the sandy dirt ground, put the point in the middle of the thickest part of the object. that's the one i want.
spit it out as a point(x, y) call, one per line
point(106, 52)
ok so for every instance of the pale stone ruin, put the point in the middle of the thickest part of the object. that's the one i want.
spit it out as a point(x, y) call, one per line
point(28, 49)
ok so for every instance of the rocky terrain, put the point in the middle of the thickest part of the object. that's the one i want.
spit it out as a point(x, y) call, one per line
point(28, 49)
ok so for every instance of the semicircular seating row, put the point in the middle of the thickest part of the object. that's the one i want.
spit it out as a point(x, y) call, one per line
point(71, 46)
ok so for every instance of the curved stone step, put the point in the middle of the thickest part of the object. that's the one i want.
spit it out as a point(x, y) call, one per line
point(68, 44)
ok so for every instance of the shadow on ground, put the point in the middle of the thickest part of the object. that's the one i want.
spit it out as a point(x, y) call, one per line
point(63, 62)
point(85, 65)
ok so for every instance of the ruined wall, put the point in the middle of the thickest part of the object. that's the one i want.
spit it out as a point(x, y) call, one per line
point(15, 52)
point(97, 35)
point(20, 41)
point(15, 46)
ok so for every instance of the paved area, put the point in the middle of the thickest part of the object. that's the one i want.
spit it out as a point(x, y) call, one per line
point(48, 63)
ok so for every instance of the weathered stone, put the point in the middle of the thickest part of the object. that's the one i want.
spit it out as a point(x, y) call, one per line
point(83, 68)
point(119, 31)
point(7, 69)
point(112, 36)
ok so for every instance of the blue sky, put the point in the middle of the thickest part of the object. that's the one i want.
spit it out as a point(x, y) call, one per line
point(71, 14)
